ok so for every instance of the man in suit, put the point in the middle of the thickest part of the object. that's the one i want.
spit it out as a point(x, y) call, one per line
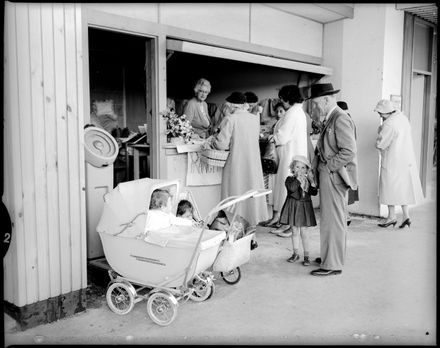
point(335, 165)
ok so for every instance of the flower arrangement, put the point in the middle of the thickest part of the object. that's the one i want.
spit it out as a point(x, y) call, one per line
point(177, 126)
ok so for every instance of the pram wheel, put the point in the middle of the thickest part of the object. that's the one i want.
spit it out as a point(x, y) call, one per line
point(162, 308)
point(203, 289)
point(120, 298)
point(231, 277)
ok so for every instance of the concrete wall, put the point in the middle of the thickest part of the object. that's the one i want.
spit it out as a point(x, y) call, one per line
point(393, 52)
point(253, 23)
point(366, 55)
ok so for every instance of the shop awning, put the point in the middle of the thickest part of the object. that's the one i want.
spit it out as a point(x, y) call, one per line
point(219, 52)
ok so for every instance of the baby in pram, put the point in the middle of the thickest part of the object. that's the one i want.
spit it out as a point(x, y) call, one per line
point(185, 210)
point(240, 226)
point(159, 215)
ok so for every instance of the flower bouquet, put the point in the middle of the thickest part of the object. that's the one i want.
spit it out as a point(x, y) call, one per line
point(178, 126)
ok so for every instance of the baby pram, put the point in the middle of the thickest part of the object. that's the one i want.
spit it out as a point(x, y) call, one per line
point(166, 268)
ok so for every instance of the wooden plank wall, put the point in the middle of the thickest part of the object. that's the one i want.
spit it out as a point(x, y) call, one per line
point(44, 162)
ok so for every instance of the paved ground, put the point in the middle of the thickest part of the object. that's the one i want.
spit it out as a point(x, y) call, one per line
point(386, 295)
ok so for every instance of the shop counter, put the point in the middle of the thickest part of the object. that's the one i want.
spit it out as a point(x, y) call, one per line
point(203, 181)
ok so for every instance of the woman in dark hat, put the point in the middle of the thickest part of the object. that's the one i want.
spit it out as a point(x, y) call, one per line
point(239, 133)
point(252, 102)
point(290, 137)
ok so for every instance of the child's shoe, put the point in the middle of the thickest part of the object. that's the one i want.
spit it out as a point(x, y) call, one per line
point(254, 244)
point(293, 258)
point(306, 261)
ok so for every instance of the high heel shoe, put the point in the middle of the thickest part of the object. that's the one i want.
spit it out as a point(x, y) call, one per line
point(405, 222)
point(386, 224)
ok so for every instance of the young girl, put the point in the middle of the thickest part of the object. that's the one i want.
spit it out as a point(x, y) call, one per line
point(298, 210)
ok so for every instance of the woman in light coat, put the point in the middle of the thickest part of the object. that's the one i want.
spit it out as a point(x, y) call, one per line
point(399, 182)
point(290, 138)
point(239, 133)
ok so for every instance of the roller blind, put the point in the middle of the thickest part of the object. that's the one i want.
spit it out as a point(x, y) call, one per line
point(220, 52)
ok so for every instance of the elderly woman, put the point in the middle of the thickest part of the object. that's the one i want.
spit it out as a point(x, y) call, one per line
point(196, 109)
point(239, 133)
point(399, 182)
point(290, 137)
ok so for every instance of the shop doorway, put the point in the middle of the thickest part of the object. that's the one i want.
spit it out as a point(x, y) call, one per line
point(419, 124)
point(121, 70)
point(120, 73)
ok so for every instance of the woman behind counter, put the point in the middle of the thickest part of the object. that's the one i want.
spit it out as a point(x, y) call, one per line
point(196, 109)
point(239, 133)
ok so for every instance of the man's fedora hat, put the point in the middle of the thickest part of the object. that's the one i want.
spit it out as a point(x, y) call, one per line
point(322, 89)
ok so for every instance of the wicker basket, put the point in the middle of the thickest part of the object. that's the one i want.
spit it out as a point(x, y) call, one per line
point(213, 157)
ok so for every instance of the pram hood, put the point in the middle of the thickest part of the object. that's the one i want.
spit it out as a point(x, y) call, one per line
point(230, 201)
point(126, 206)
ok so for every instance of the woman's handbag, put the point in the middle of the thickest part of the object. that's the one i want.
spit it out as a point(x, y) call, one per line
point(270, 159)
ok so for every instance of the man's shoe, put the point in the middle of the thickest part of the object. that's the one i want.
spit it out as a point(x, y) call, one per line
point(325, 272)
point(318, 260)
point(285, 234)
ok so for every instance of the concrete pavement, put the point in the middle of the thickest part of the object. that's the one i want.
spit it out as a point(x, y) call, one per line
point(386, 295)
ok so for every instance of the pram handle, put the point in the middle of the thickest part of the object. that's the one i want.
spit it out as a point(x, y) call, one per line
point(128, 224)
point(231, 200)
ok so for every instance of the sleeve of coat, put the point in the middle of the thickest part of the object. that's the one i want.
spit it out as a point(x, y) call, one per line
point(189, 110)
point(223, 138)
point(385, 137)
point(313, 190)
point(345, 140)
point(284, 133)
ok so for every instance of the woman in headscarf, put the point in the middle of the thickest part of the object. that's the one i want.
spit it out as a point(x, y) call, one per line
point(196, 109)
point(239, 133)
point(399, 182)
point(290, 137)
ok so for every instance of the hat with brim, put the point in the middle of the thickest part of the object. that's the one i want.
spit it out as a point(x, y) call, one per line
point(302, 159)
point(251, 97)
point(236, 98)
point(385, 106)
point(322, 89)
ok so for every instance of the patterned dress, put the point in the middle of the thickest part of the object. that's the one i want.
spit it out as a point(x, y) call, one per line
point(298, 208)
